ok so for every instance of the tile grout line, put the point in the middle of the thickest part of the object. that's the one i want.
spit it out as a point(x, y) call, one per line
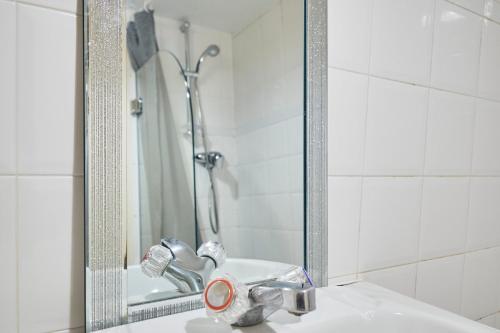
point(16, 143)
point(429, 86)
point(426, 133)
point(431, 259)
point(36, 5)
point(365, 136)
point(414, 176)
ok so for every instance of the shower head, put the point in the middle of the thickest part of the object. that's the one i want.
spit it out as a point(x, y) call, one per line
point(185, 25)
point(212, 51)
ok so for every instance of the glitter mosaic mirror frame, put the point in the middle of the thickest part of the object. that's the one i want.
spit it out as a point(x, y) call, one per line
point(105, 173)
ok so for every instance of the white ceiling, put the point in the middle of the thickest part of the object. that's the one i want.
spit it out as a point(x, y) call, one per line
point(224, 15)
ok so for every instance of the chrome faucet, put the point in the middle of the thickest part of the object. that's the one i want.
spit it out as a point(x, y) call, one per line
point(240, 305)
point(267, 298)
point(177, 262)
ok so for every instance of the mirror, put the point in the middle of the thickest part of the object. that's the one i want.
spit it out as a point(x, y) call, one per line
point(215, 136)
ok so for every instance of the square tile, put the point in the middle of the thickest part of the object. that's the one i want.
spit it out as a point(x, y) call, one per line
point(492, 10)
point(349, 34)
point(488, 321)
point(293, 12)
point(347, 98)
point(72, 6)
point(455, 56)
point(401, 41)
point(7, 88)
point(484, 213)
point(395, 128)
point(52, 249)
point(489, 63)
point(439, 282)
point(450, 126)
point(476, 6)
point(401, 279)
point(486, 156)
point(481, 287)
point(445, 203)
point(390, 220)
point(50, 114)
point(8, 253)
point(341, 280)
point(344, 199)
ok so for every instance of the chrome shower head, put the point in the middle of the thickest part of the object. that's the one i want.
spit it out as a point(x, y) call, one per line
point(185, 25)
point(212, 51)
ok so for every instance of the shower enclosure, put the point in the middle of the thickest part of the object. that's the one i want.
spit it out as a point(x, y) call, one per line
point(155, 121)
point(196, 126)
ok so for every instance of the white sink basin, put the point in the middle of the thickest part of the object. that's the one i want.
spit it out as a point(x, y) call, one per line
point(358, 308)
point(142, 289)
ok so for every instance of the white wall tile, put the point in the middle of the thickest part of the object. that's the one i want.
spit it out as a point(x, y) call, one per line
point(8, 254)
point(484, 216)
point(50, 249)
point(455, 60)
point(486, 155)
point(344, 199)
point(72, 330)
point(390, 218)
point(476, 6)
point(488, 321)
point(481, 287)
point(489, 68)
point(7, 88)
point(395, 129)
point(401, 41)
point(338, 281)
point(349, 25)
point(50, 116)
point(439, 282)
point(450, 126)
point(347, 97)
point(445, 203)
point(401, 279)
point(73, 6)
point(492, 10)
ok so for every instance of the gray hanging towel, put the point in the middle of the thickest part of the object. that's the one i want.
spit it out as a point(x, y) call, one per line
point(141, 38)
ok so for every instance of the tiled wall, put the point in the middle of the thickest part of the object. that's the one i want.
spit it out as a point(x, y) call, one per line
point(41, 166)
point(414, 149)
point(268, 106)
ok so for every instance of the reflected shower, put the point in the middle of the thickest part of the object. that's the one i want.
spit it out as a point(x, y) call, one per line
point(196, 119)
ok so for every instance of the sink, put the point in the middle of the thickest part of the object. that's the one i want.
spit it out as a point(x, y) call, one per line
point(357, 308)
point(142, 289)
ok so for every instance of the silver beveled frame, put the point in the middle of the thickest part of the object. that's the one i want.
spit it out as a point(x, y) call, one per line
point(105, 181)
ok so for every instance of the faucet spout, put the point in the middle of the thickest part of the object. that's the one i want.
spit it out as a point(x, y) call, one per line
point(238, 305)
point(177, 262)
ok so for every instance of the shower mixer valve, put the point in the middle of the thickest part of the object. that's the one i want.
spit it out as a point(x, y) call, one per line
point(210, 160)
point(177, 262)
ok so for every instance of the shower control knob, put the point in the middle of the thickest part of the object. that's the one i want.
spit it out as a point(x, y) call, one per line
point(156, 260)
point(213, 250)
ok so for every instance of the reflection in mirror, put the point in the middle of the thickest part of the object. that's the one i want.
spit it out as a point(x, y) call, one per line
point(215, 140)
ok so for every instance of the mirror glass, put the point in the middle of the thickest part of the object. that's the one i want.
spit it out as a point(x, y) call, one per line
point(215, 134)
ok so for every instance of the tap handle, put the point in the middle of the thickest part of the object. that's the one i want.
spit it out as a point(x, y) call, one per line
point(156, 260)
point(213, 250)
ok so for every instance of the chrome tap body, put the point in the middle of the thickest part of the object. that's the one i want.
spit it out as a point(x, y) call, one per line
point(268, 297)
point(177, 262)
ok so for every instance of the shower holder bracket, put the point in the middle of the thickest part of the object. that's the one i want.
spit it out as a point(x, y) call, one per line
point(136, 106)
